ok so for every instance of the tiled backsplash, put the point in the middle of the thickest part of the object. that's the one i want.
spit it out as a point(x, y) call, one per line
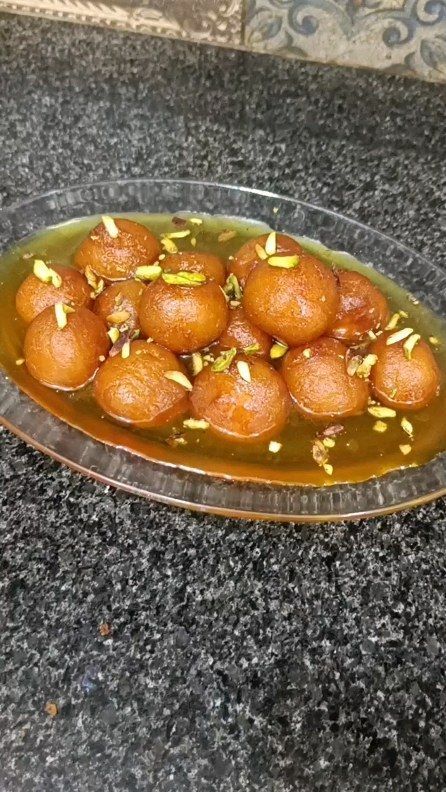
point(400, 36)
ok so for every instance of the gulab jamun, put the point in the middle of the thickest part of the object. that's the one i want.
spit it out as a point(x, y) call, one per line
point(402, 380)
point(118, 305)
point(241, 334)
point(319, 383)
point(65, 358)
point(249, 256)
point(183, 318)
point(247, 402)
point(135, 390)
point(34, 295)
point(115, 250)
point(207, 263)
point(362, 307)
point(294, 305)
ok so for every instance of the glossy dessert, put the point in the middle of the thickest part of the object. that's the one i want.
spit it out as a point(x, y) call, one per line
point(217, 346)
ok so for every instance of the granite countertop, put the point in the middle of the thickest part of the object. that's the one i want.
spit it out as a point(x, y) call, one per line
point(186, 652)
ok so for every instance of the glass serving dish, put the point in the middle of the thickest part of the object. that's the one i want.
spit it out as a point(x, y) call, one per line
point(172, 483)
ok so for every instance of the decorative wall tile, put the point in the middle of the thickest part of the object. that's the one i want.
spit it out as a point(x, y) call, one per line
point(401, 36)
point(215, 21)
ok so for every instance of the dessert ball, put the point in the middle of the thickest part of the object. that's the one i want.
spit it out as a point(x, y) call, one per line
point(402, 383)
point(248, 257)
point(136, 391)
point(241, 410)
point(362, 307)
point(65, 358)
point(293, 305)
point(241, 334)
point(115, 251)
point(317, 378)
point(206, 263)
point(183, 318)
point(118, 304)
point(34, 295)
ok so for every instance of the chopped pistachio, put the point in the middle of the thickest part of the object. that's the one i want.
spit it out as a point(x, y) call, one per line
point(274, 447)
point(284, 262)
point(353, 365)
point(333, 431)
point(149, 340)
point(271, 244)
point(393, 393)
point(176, 440)
point(197, 363)
point(413, 299)
point(244, 370)
point(328, 442)
point(306, 353)
point(148, 272)
point(196, 220)
point(434, 340)
point(405, 449)
point(366, 366)
point(61, 310)
point(184, 278)
point(226, 235)
point(275, 209)
point(161, 257)
point(278, 350)
point(252, 349)
point(261, 252)
point(209, 358)
point(101, 358)
point(179, 378)
point(113, 334)
point(196, 423)
point(234, 303)
point(224, 360)
point(403, 314)
point(328, 468)
point(410, 345)
point(193, 241)
point(232, 286)
point(46, 274)
point(96, 284)
point(319, 452)
point(177, 234)
point(372, 335)
point(118, 317)
point(169, 245)
point(380, 426)
point(393, 322)
point(378, 411)
point(110, 226)
point(125, 351)
point(20, 361)
point(406, 426)
point(400, 335)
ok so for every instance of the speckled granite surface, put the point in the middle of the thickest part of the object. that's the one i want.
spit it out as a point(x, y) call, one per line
point(239, 656)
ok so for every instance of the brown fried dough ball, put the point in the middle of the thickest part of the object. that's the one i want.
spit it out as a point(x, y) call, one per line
point(33, 295)
point(401, 383)
point(117, 257)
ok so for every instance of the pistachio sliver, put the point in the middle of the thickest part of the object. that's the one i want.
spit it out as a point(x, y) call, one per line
point(197, 363)
point(328, 468)
point(226, 235)
point(380, 426)
point(405, 449)
point(118, 317)
point(113, 334)
point(148, 272)
point(252, 349)
point(179, 378)
point(261, 252)
point(224, 360)
point(61, 310)
point(407, 426)
point(196, 220)
point(378, 411)
point(306, 353)
point(46, 274)
point(366, 366)
point(177, 234)
point(410, 344)
point(232, 286)
point(400, 335)
point(125, 351)
point(284, 262)
point(169, 245)
point(184, 278)
point(244, 370)
point(278, 350)
point(196, 423)
point(393, 321)
point(20, 361)
point(274, 447)
point(271, 244)
point(110, 226)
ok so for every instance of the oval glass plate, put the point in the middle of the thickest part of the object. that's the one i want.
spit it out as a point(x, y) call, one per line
point(202, 492)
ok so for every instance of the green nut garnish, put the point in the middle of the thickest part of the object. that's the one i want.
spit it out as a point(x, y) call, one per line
point(224, 360)
point(184, 278)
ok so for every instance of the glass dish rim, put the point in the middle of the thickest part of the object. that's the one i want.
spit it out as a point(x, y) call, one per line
point(184, 503)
